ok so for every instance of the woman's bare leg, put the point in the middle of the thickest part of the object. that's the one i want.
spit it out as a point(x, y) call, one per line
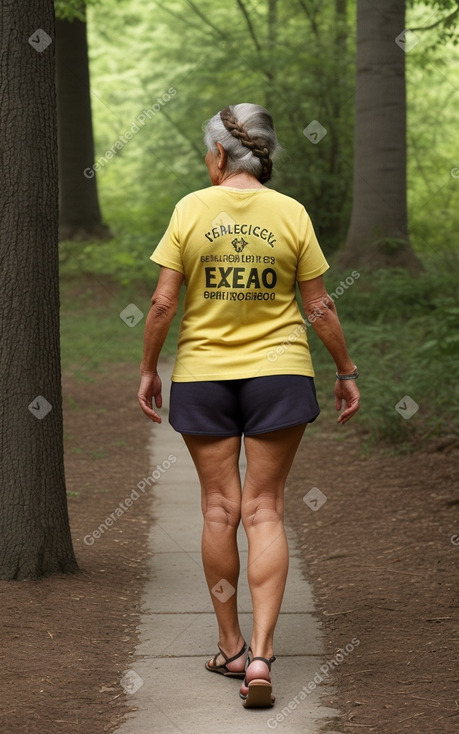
point(269, 458)
point(217, 464)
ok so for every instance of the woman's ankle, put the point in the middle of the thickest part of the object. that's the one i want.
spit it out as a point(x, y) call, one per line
point(231, 644)
point(263, 650)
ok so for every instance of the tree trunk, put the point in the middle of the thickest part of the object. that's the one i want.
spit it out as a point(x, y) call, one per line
point(270, 64)
point(34, 527)
point(335, 218)
point(80, 216)
point(378, 233)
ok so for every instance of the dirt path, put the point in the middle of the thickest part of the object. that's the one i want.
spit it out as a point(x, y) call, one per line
point(66, 640)
point(382, 553)
point(378, 552)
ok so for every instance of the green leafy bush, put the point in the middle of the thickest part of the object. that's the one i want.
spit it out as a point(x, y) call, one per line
point(402, 332)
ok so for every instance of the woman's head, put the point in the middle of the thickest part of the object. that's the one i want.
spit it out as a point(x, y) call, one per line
point(246, 133)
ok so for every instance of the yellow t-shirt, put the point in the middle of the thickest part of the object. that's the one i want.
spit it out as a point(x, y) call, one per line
point(241, 252)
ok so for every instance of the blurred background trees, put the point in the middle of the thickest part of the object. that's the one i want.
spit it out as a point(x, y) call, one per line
point(79, 210)
point(378, 231)
point(299, 59)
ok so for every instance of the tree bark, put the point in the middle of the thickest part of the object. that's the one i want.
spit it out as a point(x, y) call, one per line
point(34, 527)
point(335, 220)
point(80, 215)
point(378, 234)
point(271, 71)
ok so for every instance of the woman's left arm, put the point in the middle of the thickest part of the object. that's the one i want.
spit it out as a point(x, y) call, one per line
point(163, 308)
point(321, 312)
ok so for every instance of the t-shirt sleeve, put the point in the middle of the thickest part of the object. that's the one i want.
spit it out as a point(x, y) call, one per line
point(311, 260)
point(168, 251)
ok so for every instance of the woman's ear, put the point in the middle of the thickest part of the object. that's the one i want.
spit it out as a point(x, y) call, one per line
point(222, 157)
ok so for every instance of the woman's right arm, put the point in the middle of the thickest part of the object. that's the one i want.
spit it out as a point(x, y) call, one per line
point(163, 308)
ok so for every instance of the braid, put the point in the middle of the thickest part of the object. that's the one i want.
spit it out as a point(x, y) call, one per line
point(257, 145)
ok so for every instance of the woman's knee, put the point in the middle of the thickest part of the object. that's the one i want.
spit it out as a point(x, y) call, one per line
point(216, 508)
point(264, 507)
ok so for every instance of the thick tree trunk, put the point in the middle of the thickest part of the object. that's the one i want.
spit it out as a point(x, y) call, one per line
point(80, 216)
point(378, 233)
point(34, 527)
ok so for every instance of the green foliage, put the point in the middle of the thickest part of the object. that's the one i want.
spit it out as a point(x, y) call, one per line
point(297, 61)
point(298, 66)
point(93, 335)
point(125, 258)
point(432, 89)
point(440, 16)
point(70, 9)
point(403, 334)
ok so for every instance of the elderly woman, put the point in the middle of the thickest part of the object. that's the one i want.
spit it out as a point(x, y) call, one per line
point(243, 368)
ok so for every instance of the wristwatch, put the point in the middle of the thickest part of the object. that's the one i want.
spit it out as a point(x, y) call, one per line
point(352, 376)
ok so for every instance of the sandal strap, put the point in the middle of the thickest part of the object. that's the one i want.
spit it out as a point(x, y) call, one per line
point(265, 660)
point(214, 660)
point(235, 657)
point(227, 659)
point(250, 660)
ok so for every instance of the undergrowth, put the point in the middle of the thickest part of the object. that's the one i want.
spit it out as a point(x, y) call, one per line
point(402, 331)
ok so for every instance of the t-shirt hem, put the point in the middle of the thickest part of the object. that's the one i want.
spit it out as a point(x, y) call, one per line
point(245, 375)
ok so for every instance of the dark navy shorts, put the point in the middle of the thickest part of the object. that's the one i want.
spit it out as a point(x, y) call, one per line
point(235, 407)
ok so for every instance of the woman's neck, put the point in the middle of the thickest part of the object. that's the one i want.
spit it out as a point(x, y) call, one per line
point(241, 181)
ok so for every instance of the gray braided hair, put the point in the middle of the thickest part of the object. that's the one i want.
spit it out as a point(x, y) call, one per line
point(246, 132)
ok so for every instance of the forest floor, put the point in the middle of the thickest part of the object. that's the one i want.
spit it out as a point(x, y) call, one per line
point(379, 537)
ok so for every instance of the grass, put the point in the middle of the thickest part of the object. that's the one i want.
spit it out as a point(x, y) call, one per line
point(93, 334)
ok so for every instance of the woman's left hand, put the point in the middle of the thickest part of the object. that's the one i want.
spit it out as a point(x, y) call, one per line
point(150, 387)
point(346, 391)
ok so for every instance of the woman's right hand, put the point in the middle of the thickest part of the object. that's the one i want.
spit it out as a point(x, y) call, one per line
point(150, 387)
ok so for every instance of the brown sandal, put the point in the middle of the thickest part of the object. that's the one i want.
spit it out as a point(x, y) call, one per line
point(259, 690)
point(222, 669)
